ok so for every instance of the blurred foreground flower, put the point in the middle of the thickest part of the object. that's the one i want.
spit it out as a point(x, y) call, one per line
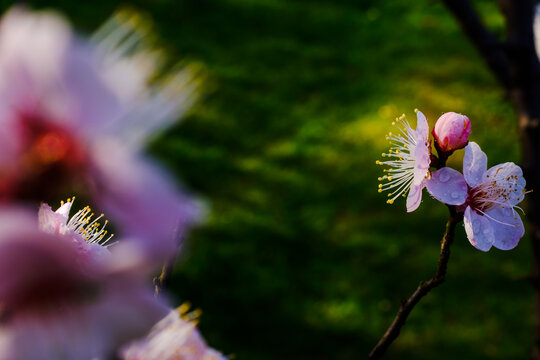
point(75, 116)
point(63, 295)
point(489, 197)
point(409, 161)
point(173, 338)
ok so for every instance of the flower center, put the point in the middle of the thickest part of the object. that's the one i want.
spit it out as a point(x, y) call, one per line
point(88, 227)
point(493, 193)
point(50, 159)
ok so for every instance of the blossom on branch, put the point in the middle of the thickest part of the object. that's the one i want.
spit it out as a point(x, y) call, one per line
point(408, 163)
point(489, 198)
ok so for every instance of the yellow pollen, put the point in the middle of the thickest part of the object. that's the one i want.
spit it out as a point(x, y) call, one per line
point(390, 201)
point(380, 190)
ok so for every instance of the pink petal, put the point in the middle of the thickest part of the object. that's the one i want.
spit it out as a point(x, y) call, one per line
point(478, 229)
point(415, 197)
point(448, 186)
point(474, 164)
point(507, 235)
point(422, 127)
point(142, 200)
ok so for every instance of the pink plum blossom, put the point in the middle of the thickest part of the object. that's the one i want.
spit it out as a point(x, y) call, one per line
point(409, 161)
point(489, 198)
point(451, 131)
point(173, 338)
point(62, 297)
point(76, 115)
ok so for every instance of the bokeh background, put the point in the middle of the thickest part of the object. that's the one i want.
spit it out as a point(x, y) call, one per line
point(300, 257)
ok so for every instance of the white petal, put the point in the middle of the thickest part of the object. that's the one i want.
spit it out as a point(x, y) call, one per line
point(510, 177)
point(478, 229)
point(507, 226)
point(474, 164)
point(448, 186)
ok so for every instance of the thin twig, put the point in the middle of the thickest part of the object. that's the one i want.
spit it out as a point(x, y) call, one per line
point(422, 290)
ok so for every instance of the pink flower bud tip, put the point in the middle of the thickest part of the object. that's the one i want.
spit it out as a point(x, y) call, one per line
point(452, 131)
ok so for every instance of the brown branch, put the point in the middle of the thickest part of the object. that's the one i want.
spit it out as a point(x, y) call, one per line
point(422, 290)
point(484, 41)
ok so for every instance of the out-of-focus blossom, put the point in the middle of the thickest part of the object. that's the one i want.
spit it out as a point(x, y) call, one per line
point(489, 197)
point(409, 160)
point(62, 299)
point(75, 116)
point(173, 338)
point(451, 131)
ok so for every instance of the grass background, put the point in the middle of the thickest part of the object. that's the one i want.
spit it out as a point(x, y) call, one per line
point(300, 257)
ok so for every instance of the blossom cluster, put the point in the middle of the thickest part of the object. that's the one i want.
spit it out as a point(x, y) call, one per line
point(487, 198)
point(76, 115)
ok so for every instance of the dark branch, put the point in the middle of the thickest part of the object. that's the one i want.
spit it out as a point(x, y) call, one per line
point(422, 290)
point(484, 41)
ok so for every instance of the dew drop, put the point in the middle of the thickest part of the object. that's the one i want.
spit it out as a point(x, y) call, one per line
point(455, 194)
point(444, 176)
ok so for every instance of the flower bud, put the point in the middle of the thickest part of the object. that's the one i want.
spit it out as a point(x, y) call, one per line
point(452, 131)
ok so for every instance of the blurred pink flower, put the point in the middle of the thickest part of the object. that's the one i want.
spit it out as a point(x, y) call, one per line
point(451, 131)
point(173, 338)
point(76, 115)
point(409, 161)
point(489, 197)
point(61, 301)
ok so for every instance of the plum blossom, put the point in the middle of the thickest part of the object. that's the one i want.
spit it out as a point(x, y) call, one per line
point(64, 300)
point(489, 198)
point(451, 132)
point(76, 115)
point(173, 338)
point(409, 161)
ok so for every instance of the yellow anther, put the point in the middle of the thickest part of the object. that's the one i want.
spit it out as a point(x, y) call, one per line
point(390, 201)
point(380, 190)
point(389, 178)
point(415, 110)
point(380, 186)
point(383, 154)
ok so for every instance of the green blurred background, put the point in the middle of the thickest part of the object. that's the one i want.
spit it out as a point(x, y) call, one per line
point(300, 257)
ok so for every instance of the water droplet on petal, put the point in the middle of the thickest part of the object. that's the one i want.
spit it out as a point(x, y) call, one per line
point(455, 194)
point(444, 176)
